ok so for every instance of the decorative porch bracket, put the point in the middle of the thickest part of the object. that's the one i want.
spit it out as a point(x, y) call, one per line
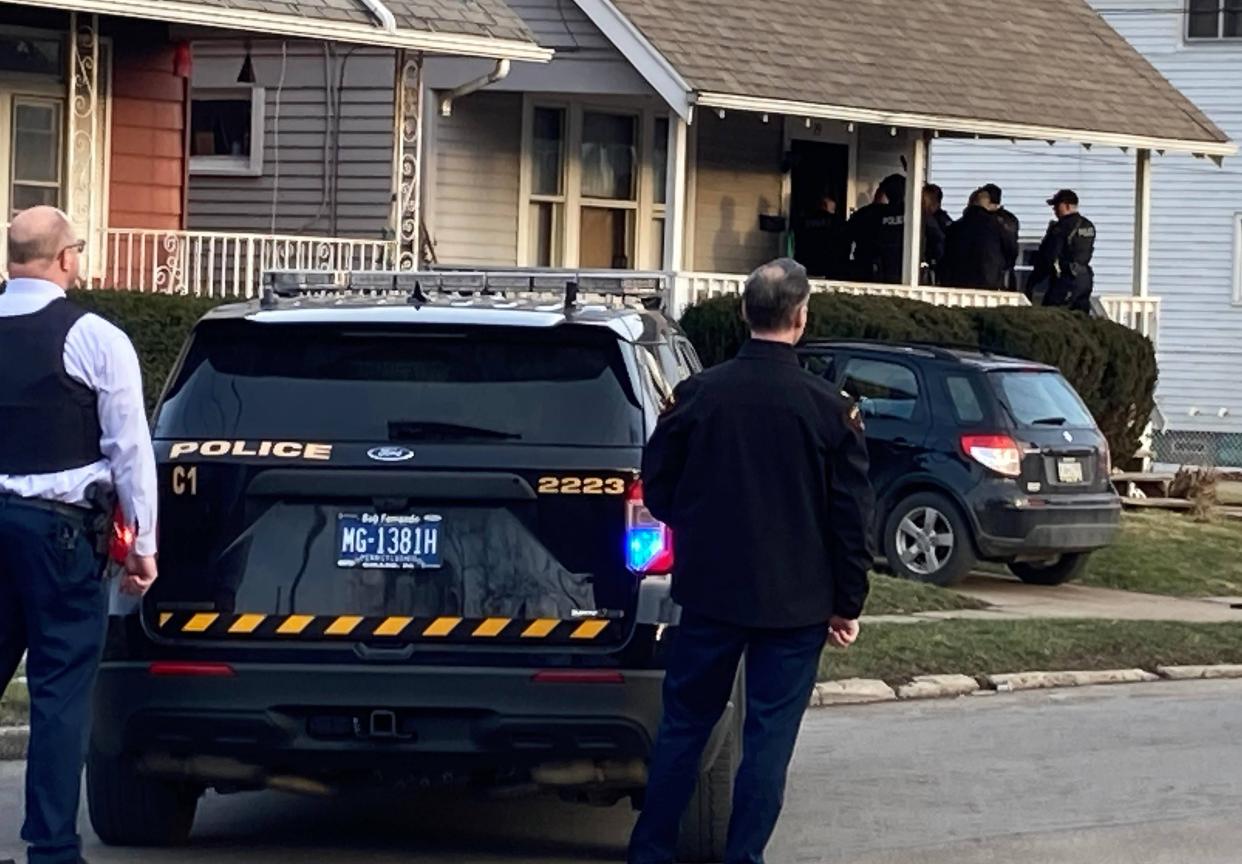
point(84, 169)
point(407, 159)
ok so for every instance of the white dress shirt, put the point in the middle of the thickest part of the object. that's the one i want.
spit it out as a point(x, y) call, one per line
point(100, 356)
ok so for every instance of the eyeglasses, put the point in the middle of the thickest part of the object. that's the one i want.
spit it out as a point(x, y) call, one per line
point(78, 247)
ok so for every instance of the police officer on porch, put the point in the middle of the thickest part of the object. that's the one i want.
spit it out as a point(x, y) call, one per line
point(1064, 261)
point(760, 470)
point(73, 433)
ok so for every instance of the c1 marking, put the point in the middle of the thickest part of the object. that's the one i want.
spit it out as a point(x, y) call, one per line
point(185, 480)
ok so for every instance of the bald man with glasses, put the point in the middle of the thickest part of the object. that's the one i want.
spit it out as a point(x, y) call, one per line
point(73, 439)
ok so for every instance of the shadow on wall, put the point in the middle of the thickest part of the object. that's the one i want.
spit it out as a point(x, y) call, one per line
point(739, 245)
point(727, 243)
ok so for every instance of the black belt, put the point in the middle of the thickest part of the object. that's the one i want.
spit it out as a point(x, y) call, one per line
point(87, 516)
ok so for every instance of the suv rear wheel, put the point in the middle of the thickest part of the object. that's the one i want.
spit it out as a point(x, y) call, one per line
point(129, 809)
point(1056, 571)
point(927, 540)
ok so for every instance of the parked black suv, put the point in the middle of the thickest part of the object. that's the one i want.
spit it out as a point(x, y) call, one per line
point(402, 542)
point(974, 458)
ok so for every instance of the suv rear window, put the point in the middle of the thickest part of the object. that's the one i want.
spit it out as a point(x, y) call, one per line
point(1041, 399)
point(350, 383)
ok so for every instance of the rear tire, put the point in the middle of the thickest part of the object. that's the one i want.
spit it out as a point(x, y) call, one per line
point(705, 825)
point(1058, 571)
point(927, 540)
point(128, 809)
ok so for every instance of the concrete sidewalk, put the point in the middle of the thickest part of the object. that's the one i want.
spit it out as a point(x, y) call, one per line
point(1011, 600)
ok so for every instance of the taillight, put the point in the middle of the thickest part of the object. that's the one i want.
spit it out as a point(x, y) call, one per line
point(998, 453)
point(173, 669)
point(648, 541)
point(578, 676)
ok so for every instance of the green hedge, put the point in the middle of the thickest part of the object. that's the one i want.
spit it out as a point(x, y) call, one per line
point(156, 323)
point(1112, 367)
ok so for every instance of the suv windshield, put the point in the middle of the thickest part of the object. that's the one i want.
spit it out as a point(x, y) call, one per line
point(1041, 399)
point(349, 383)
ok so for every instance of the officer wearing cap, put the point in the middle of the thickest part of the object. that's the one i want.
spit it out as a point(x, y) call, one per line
point(760, 470)
point(73, 432)
point(1064, 260)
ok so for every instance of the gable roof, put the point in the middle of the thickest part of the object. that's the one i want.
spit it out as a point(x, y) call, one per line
point(1013, 68)
point(482, 28)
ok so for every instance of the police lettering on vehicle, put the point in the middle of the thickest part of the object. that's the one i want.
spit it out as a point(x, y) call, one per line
point(251, 449)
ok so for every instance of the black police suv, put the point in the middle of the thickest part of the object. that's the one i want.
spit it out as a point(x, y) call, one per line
point(403, 543)
point(976, 457)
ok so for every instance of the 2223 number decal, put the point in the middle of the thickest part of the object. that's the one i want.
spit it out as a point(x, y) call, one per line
point(581, 486)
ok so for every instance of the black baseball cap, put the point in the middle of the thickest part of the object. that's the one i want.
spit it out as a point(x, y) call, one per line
point(1064, 196)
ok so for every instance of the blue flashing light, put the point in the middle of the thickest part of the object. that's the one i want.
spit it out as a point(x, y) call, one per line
point(644, 546)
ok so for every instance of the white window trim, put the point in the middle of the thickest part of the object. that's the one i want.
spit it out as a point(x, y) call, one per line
point(571, 200)
point(1208, 40)
point(236, 166)
point(1237, 259)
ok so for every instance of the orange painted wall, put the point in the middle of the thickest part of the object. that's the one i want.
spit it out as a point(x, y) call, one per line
point(149, 115)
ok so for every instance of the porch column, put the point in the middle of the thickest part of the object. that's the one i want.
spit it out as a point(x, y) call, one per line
point(407, 222)
point(675, 209)
point(85, 173)
point(914, 210)
point(1142, 223)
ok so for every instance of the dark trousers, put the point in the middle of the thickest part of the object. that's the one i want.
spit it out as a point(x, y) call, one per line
point(53, 607)
point(781, 667)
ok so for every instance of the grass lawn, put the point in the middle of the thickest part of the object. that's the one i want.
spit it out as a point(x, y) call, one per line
point(891, 596)
point(15, 706)
point(1170, 553)
point(898, 652)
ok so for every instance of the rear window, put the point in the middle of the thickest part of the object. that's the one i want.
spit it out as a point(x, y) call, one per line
point(1041, 399)
point(367, 384)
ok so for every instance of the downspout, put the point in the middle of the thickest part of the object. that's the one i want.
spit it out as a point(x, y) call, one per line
point(382, 14)
point(499, 73)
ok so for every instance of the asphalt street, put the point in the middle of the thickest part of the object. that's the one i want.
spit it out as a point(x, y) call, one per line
point(1144, 774)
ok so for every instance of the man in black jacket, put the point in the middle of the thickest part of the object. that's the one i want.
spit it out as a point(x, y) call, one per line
point(1011, 226)
point(978, 249)
point(760, 470)
point(1063, 265)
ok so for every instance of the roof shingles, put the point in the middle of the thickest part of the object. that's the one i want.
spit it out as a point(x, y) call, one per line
point(1040, 63)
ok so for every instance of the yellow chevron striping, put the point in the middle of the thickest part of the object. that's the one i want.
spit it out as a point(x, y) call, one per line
point(343, 626)
point(200, 622)
point(393, 626)
point(442, 627)
point(247, 623)
point(165, 617)
point(491, 627)
point(540, 629)
point(589, 629)
point(294, 624)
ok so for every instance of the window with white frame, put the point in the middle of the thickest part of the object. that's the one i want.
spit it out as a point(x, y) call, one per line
point(1214, 19)
point(594, 186)
point(37, 155)
point(226, 130)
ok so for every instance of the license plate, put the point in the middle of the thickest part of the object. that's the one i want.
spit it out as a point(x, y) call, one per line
point(1069, 471)
point(384, 541)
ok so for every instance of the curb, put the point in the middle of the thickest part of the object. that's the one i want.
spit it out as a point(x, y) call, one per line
point(853, 691)
point(938, 687)
point(13, 741)
point(1199, 673)
point(1048, 680)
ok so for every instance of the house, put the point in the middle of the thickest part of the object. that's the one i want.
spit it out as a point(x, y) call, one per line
point(669, 135)
point(96, 116)
point(1196, 228)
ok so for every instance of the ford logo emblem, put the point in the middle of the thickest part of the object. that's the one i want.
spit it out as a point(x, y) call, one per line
point(1068, 437)
point(390, 454)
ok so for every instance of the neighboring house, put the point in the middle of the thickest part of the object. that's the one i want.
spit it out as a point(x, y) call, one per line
point(97, 117)
point(1196, 222)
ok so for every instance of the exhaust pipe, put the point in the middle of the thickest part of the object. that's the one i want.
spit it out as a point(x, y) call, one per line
point(585, 772)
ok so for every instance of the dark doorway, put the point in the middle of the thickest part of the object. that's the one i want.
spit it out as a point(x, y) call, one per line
point(819, 170)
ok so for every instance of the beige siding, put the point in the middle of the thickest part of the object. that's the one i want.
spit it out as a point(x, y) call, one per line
point(476, 174)
point(738, 179)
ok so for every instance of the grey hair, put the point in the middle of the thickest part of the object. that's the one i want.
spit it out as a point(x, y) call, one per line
point(773, 295)
point(27, 244)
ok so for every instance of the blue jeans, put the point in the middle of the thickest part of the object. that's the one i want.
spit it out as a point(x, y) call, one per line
point(53, 608)
point(781, 667)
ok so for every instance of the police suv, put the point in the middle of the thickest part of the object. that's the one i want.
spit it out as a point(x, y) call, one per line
point(403, 543)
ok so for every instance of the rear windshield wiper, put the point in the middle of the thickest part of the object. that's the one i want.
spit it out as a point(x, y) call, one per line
point(1050, 421)
point(421, 430)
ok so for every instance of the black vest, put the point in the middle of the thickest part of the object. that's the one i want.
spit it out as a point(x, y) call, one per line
point(49, 422)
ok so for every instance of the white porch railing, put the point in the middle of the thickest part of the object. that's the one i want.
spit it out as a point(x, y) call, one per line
point(694, 287)
point(219, 264)
point(1137, 313)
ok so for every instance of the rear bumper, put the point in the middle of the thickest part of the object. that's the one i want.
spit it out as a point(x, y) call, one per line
point(318, 721)
point(1011, 525)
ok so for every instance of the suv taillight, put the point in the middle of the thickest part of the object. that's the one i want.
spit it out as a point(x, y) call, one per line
point(648, 541)
point(998, 453)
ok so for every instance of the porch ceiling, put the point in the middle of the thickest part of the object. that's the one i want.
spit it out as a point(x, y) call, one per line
point(478, 28)
point(1050, 69)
